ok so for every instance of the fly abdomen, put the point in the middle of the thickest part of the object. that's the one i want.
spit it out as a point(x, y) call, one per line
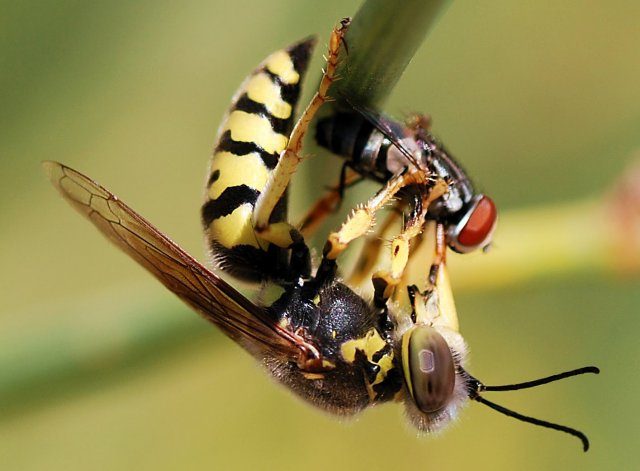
point(250, 139)
point(354, 138)
point(343, 134)
point(378, 148)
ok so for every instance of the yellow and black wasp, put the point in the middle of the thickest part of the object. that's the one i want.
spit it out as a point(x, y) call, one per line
point(328, 344)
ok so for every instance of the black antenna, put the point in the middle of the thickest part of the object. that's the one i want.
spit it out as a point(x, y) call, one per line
point(541, 381)
point(475, 387)
point(534, 421)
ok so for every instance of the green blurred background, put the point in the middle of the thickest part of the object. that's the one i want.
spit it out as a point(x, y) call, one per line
point(101, 368)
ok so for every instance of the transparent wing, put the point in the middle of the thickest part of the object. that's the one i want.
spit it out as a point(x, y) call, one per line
point(387, 128)
point(209, 295)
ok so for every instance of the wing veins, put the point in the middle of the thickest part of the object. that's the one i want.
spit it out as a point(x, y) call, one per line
point(204, 291)
point(181, 281)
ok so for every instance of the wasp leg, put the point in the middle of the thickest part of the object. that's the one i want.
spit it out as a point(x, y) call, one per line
point(329, 203)
point(279, 233)
point(362, 219)
point(385, 282)
point(372, 247)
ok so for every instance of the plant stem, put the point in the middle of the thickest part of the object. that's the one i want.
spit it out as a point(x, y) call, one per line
point(381, 41)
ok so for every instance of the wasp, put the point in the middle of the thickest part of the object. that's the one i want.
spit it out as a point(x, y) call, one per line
point(329, 345)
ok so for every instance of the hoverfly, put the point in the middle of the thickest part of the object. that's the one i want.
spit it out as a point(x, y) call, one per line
point(376, 147)
point(325, 342)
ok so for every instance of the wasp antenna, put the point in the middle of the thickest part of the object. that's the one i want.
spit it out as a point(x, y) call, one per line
point(541, 381)
point(542, 423)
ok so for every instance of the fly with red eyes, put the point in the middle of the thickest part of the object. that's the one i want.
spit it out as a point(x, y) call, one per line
point(376, 148)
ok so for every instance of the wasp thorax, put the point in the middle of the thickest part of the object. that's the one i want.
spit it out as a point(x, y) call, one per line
point(428, 367)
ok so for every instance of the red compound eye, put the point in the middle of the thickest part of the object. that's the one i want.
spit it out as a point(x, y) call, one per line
point(480, 224)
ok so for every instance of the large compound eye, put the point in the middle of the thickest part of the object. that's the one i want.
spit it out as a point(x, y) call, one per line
point(428, 368)
point(476, 228)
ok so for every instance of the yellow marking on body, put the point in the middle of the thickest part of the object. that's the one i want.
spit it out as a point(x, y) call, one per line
point(249, 127)
point(235, 228)
point(277, 233)
point(405, 360)
point(313, 376)
point(328, 365)
point(261, 89)
point(316, 301)
point(284, 323)
point(370, 344)
point(385, 363)
point(280, 63)
point(237, 170)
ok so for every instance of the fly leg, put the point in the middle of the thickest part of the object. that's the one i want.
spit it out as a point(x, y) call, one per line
point(417, 121)
point(282, 234)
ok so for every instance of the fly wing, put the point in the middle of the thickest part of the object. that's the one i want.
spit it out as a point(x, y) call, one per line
point(390, 130)
point(213, 298)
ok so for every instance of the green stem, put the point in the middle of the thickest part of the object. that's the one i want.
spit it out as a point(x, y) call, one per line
point(381, 40)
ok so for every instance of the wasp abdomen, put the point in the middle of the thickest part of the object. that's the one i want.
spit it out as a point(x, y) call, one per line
point(250, 139)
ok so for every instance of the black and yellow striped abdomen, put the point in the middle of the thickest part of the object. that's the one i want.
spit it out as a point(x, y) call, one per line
point(250, 139)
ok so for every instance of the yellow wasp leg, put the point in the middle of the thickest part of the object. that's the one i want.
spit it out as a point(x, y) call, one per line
point(400, 295)
point(385, 281)
point(280, 233)
point(371, 250)
point(362, 219)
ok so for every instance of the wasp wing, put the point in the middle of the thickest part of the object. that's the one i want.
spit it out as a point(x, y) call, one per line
point(204, 291)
